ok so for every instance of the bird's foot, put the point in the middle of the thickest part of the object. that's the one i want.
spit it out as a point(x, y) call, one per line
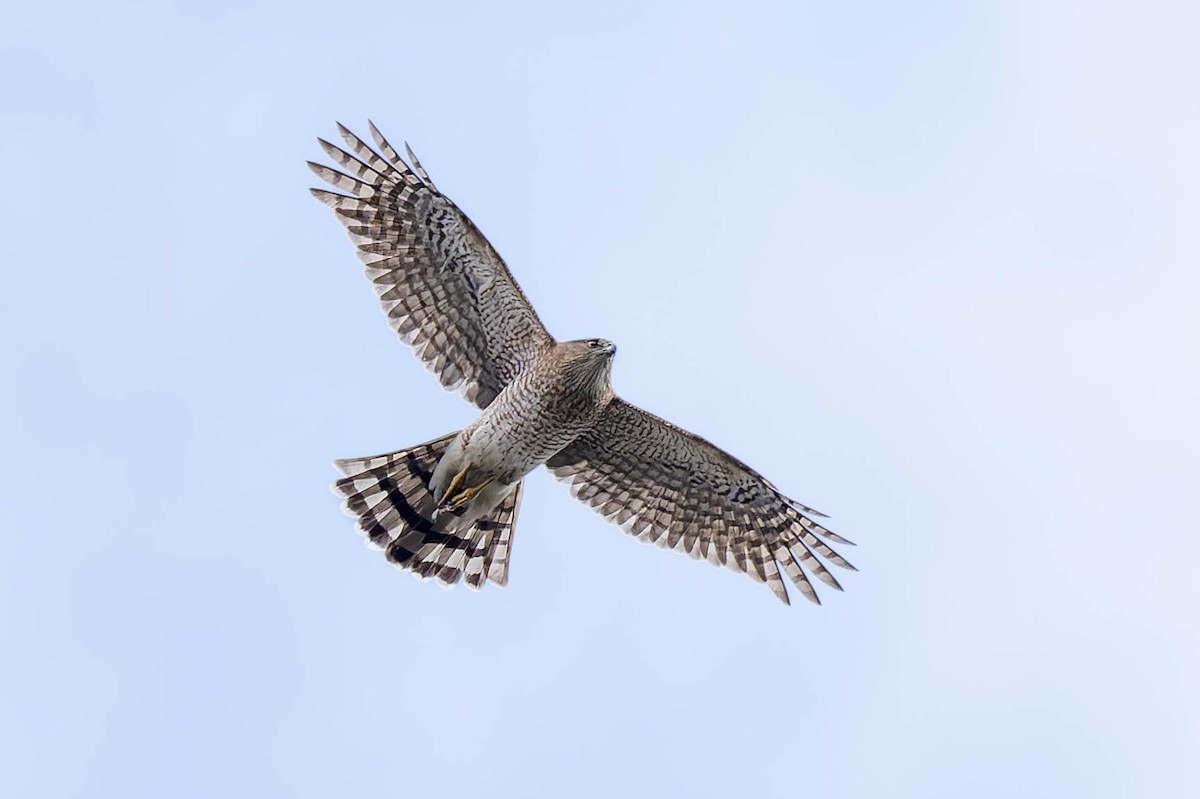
point(457, 502)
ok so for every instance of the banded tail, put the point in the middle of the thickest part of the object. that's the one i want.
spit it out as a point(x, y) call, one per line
point(389, 495)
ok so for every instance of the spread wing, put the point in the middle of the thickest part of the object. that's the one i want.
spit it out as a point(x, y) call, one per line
point(444, 289)
point(676, 490)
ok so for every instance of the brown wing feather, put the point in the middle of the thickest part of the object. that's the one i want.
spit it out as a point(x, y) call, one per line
point(678, 491)
point(444, 289)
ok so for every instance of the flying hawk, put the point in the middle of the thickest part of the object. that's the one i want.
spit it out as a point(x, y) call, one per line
point(445, 509)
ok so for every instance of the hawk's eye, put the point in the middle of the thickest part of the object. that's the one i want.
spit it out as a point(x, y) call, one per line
point(594, 343)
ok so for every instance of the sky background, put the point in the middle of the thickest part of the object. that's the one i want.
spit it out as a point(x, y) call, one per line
point(930, 267)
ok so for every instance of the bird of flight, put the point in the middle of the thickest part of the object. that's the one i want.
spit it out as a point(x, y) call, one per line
point(445, 509)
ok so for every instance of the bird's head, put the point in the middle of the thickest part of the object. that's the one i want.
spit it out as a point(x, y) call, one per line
point(597, 352)
point(590, 358)
point(597, 347)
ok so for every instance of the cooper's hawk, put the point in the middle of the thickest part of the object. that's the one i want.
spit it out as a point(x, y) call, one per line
point(445, 509)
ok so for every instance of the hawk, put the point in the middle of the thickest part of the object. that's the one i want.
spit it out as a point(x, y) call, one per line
point(445, 509)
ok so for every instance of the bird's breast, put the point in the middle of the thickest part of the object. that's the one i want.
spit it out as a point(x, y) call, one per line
point(528, 423)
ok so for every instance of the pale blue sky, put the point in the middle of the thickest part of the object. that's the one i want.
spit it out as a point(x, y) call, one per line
point(930, 267)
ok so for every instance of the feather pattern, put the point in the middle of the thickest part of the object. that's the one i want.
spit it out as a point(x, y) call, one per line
point(389, 495)
point(445, 290)
point(678, 491)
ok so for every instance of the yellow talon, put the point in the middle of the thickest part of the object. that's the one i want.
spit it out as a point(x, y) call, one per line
point(462, 497)
point(454, 483)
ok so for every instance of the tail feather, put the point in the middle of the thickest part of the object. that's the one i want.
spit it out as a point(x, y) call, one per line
point(500, 529)
point(389, 495)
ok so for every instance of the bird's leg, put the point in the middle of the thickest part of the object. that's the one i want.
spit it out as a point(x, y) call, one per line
point(455, 482)
point(459, 500)
point(468, 494)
